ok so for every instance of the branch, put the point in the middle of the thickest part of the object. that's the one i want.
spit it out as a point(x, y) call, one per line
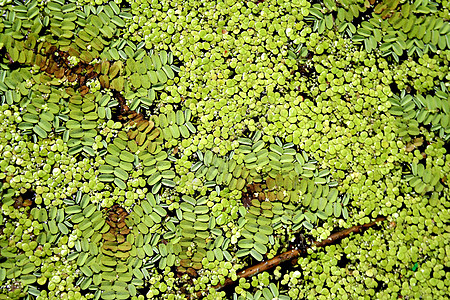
point(291, 254)
point(344, 233)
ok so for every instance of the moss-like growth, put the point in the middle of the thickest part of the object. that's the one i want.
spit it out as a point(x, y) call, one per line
point(155, 149)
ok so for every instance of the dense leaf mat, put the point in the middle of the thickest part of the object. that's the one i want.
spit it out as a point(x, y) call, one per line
point(154, 149)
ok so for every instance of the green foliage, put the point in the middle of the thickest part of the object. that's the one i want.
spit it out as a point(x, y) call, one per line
point(431, 110)
point(393, 27)
point(154, 149)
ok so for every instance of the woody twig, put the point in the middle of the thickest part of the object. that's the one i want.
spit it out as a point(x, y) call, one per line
point(291, 254)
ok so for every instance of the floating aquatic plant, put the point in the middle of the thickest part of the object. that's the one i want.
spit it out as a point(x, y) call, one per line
point(163, 149)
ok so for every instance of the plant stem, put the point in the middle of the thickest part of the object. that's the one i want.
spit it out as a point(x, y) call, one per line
point(291, 254)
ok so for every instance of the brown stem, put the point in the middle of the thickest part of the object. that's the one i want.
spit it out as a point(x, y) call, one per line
point(83, 71)
point(344, 233)
point(11, 61)
point(291, 254)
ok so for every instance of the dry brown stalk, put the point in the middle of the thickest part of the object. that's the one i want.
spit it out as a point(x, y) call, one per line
point(291, 254)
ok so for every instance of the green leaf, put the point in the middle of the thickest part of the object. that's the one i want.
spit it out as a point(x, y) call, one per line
point(163, 165)
point(364, 32)
point(163, 57)
point(27, 279)
point(274, 289)
point(256, 255)
point(191, 127)
point(153, 77)
point(162, 77)
point(154, 179)
point(245, 243)
point(118, 21)
point(345, 212)
point(30, 118)
point(321, 214)
point(308, 225)
point(156, 61)
point(121, 174)
point(82, 258)
point(120, 183)
point(316, 13)
point(127, 156)
point(168, 71)
point(337, 209)
point(112, 160)
point(261, 248)
point(39, 131)
point(63, 228)
point(261, 237)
